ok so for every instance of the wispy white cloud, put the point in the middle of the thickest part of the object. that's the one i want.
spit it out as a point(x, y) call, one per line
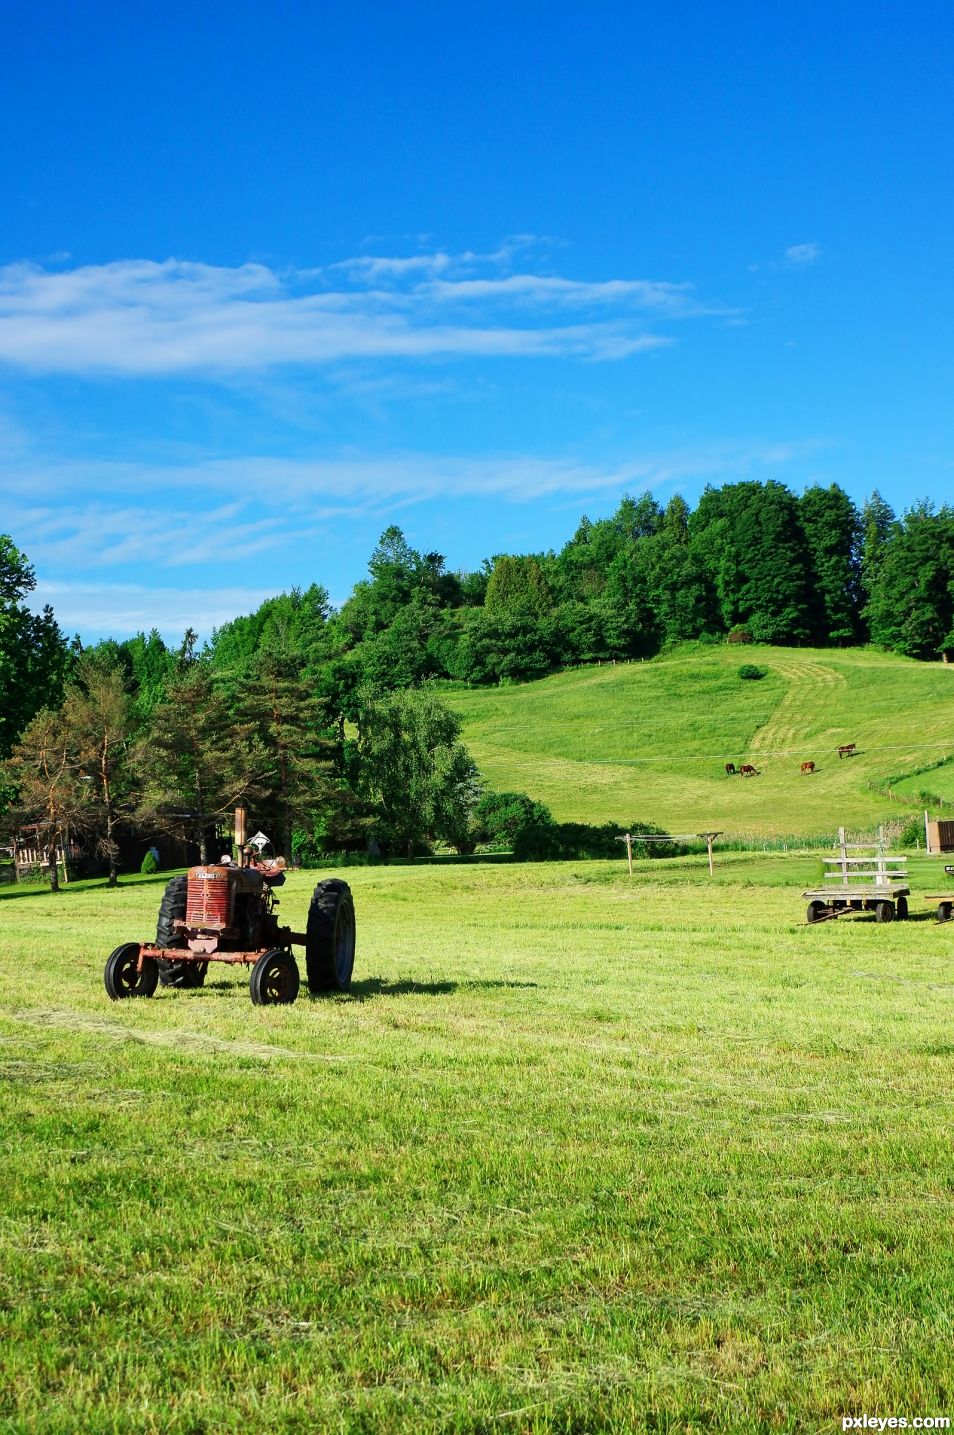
point(121, 609)
point(143, 318)
point(216, 512)
point(801, 254)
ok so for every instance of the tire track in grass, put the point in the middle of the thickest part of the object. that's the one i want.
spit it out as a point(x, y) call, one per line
point(198, 1043)
point(808, 685)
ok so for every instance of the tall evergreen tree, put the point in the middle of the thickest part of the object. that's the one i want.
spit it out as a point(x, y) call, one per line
point(911, 608)
point(832, 528)
point(680, 592)
point(152, 667)
point(199, 760)
point(878, 525)
point(295, 734)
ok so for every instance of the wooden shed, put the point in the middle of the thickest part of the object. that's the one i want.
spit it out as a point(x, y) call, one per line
point(940, 836)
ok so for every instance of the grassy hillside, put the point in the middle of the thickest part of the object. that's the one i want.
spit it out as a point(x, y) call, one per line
point(650, 740)
point(578, 1153)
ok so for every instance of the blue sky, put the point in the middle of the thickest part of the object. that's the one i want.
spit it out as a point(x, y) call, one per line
point(273, 277)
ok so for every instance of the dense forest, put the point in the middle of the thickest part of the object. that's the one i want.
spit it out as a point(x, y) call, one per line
point(753, 561)
point(328, 719)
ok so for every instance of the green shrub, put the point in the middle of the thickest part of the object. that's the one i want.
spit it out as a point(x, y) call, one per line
point(500, 817)
point(752, 672)
point(149, 864)
point(912, 833)
point(573, 841)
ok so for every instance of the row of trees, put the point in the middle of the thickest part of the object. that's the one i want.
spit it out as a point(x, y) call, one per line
point(753, 559)
point(310, 713)
point(398, 781)
point(97, 764)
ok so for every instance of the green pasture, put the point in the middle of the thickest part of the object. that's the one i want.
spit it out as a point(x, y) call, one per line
point(578, 1153)
point(937, 782)
point(650, 740)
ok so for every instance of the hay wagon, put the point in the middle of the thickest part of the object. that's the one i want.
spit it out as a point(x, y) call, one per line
point(861, 877)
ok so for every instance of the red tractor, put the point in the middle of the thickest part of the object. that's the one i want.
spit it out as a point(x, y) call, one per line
point(226, 913)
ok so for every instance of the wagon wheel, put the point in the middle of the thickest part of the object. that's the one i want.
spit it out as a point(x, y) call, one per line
point(884, 911)
point(274, 980)
point(944, 911)
point(901, 908)
point(122, 978)
point(816, 911)
point(330, 937)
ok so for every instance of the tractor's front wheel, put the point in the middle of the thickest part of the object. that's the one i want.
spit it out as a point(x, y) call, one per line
point(172, 909)
point(330, 937)
point(274, 980)
point(122, 977)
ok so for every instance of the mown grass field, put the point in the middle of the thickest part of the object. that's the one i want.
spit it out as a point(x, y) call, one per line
point(577, 1154)
point(649, 741)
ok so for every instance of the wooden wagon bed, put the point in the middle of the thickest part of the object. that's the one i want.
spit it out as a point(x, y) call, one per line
point(872, 881)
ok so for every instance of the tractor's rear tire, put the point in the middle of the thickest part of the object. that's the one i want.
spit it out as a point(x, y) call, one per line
point(330, 937)
point(274, 980)
point(122, 978)
point(172, 909)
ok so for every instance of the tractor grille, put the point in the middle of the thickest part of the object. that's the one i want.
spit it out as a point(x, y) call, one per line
point(207, 902)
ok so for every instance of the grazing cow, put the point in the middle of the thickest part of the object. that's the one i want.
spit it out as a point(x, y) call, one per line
point(747, 770)
point(847, 749)
point(730, 769)
point(808, 767)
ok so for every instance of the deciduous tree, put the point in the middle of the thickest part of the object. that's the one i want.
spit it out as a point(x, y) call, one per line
point(50, 795)
point(97, 724)
point(518, 585)
point(415, 771)
point(33, 654)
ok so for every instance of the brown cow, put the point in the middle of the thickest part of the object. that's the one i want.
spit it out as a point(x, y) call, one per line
point(747, 770)
point(847, 749)
point(808, 767)
point(730, 769)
